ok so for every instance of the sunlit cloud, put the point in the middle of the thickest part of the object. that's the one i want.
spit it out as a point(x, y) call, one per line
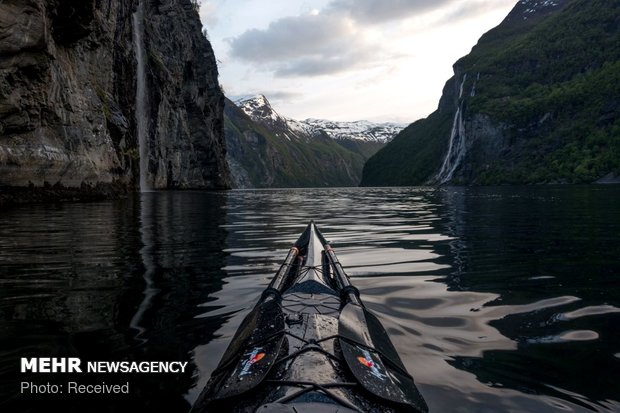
point(382, 11)
point(348, 59)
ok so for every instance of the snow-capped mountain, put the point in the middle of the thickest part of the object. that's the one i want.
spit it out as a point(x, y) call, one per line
point(259, 109)
point(266, 149)
point(360, 130)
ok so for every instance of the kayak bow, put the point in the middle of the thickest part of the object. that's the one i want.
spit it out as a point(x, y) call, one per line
point(310, 345)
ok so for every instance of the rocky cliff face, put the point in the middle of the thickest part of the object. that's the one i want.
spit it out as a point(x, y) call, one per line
point(186, 142)
point(534, 102)
point(68, 78)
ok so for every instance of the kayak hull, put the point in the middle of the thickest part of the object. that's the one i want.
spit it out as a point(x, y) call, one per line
point(309, 345)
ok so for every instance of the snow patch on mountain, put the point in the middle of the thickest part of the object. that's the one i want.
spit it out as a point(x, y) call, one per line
point(259, 109)
point(360, 130)
point(532, 6)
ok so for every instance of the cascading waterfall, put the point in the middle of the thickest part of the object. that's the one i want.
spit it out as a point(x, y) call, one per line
point(473, 88)
point(142, 122)
point(456, 146)
point(462, 85)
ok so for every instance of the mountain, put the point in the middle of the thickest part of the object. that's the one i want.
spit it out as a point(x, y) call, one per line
point(266, 149)
point(258, 108)
point(536, 101)
point(75, 74)
point(361, 136)
point(362, 130)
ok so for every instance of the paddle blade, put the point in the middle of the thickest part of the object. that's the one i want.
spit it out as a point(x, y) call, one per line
point(251, 353)
point(263, 322)
point(250, 370)
point(373, 360)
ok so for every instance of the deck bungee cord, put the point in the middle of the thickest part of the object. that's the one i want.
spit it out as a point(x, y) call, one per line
point(310, 345)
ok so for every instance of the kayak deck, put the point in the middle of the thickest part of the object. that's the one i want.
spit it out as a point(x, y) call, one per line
point(307, 346)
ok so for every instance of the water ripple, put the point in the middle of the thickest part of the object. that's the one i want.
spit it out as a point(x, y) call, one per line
point(498, 299)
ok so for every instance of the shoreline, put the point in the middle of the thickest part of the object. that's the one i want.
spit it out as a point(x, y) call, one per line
point(15, 195)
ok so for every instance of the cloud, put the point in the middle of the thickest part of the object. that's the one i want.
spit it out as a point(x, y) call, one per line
point(309, 45)
point(316, 66)
point(472, 9)
point(340, 37)
point(381, 11)
point(291, 37)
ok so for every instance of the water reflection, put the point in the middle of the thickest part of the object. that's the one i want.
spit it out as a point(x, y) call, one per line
point(546, 252)
point(148, 204)
point(182, 255)
point(498, 299)
point(459, 276)
point(109, 281)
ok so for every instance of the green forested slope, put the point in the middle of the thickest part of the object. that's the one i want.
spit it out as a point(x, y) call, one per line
point(541, 104)
point(260, 158)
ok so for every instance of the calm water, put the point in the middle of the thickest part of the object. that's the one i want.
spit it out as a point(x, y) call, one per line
point(498, 299)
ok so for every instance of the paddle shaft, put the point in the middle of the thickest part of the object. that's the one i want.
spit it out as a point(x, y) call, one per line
point(280, 276)
point(341, 277)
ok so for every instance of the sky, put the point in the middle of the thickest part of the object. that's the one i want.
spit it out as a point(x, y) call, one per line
point(345, 60)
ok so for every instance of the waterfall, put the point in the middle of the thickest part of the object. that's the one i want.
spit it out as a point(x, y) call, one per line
point(142, 121)
point(473, 88)
point(462, 84)
point(456, 146)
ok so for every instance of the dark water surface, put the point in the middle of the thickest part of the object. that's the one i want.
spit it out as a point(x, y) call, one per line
point(498, 299)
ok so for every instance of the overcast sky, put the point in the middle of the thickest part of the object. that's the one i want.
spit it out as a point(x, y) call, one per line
point(381, 60)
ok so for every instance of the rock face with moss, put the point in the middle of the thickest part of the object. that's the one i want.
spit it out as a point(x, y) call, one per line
point(536, 101)
point(68, 78)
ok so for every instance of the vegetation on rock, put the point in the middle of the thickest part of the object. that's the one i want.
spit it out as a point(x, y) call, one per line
point(541, 104)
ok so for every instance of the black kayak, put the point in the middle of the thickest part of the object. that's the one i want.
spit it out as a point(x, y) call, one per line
point(310, 346)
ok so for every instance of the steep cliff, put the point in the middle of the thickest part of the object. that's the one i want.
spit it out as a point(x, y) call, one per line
point(68, 80)
point(186, 141)
point(536, 101)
